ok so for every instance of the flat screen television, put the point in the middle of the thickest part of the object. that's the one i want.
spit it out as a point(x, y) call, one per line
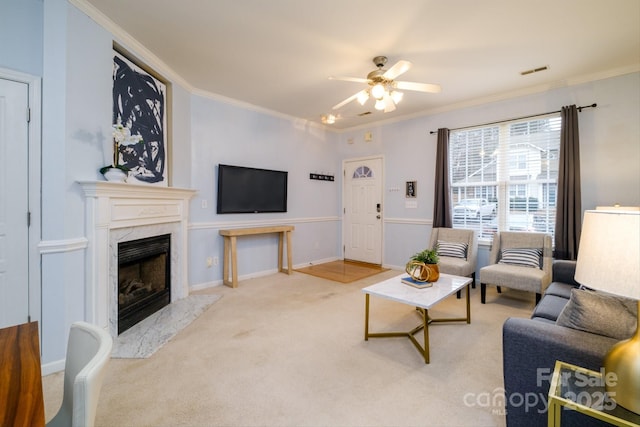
point(251, 190)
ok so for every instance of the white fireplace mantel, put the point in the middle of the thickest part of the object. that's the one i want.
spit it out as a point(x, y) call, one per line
point(117, 212)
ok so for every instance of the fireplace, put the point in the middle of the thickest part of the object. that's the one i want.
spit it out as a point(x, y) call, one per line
point(144, 278)
point(117, 213)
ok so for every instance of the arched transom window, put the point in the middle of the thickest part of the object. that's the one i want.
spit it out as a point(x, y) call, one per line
point(362, 172)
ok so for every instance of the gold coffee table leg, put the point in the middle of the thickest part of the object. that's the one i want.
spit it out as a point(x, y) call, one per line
point(425, 325)
point(366, 317)
point(468, 306)
point(424, 350)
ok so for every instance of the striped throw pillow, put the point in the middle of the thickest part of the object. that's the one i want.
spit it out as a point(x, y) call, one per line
point(452, 249)
point(524, 257)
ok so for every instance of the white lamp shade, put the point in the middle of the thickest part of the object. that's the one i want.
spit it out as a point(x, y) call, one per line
point(609, 251)
point(396, 96)
point(362, 97)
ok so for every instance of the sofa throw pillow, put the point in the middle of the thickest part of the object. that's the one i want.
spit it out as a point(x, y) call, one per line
point(524, 257)
point(452, 249)
point(599, 313)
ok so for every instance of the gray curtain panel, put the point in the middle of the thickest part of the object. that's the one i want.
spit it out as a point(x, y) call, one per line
point(442, 196)
point(569, 202)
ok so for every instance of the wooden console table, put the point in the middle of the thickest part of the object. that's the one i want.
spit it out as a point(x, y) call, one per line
point(230, 252)
point(21, 398)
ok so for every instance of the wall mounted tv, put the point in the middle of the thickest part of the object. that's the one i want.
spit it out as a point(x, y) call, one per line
point(251, 190)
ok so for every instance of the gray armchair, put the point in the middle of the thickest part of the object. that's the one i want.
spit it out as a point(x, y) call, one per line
point(464, 264)
point(518, 260)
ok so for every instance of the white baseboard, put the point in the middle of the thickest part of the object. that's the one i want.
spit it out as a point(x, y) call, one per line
point(214, 283)
point(52, 367)
point(205, 285)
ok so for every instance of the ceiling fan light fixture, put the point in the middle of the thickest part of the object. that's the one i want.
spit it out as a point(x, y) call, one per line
point(382, 86)
point(396, 96)
point(328, 119)
point(378, 91)
point(363, 97)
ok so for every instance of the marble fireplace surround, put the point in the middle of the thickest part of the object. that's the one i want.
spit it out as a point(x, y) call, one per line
point(119, 212)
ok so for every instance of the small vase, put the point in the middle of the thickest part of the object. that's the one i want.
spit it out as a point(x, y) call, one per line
point(115, 175)
point(423, 272)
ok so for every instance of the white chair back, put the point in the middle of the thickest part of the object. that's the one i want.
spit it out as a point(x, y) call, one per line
point(88, 352)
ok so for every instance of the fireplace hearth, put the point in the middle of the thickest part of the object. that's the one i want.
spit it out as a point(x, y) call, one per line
point(144, 278)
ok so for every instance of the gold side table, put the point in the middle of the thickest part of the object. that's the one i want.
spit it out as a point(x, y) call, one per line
point(582, 390)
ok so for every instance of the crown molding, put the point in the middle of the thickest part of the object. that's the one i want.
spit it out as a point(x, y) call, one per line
point(132, 45)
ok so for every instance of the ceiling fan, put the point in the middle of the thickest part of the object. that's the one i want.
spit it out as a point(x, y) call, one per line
point(383, 86)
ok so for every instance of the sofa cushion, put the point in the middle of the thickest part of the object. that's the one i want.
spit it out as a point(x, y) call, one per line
point(564, 271)
point(600, 314)
point(452, 249)
point(549, 307)
point(525, 257)
point(560, 289)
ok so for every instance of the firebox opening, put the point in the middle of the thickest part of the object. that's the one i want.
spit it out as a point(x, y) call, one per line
point(144, 277)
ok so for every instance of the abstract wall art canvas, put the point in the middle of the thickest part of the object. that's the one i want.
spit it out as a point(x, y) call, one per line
point(139, 103)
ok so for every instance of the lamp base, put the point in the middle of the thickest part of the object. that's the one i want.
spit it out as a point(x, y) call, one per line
point(624, 360)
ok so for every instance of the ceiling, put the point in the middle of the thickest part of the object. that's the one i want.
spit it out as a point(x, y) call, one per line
point(278, 55)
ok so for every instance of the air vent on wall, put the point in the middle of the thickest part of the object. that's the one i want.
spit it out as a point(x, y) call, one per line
point(534, 70)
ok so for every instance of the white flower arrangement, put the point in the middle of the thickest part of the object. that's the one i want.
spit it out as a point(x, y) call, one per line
point(121, 136)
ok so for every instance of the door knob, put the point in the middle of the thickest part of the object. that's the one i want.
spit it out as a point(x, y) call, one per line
point(378, 216)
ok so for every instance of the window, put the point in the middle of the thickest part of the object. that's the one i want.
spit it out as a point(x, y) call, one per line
point(504, 176)
point(362, 172)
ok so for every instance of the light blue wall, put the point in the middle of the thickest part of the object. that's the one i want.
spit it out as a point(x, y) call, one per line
point(61, 286)
point(180, 154)
point(227, 134)
point(21, 34)
point(72, 53)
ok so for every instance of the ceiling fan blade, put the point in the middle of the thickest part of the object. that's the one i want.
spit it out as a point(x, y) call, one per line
point(346, 101)
point(398, 68)
point(349, 79)
point(420, 87)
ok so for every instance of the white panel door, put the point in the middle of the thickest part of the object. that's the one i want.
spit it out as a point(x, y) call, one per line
point(14, 179)
point(363, 210)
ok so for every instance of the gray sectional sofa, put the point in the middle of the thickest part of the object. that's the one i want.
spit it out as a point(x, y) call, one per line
point(532, 346)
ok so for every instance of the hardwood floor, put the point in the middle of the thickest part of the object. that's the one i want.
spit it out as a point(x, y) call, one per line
point(343, 271)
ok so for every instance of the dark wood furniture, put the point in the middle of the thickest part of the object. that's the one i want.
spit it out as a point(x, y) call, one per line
point(21, 398)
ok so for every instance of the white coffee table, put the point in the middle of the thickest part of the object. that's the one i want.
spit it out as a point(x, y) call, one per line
point(422, 299)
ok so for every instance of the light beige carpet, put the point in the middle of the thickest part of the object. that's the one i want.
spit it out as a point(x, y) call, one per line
point(289, 351)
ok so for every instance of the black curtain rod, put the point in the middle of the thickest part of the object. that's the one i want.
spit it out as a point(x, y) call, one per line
point(518, 118)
